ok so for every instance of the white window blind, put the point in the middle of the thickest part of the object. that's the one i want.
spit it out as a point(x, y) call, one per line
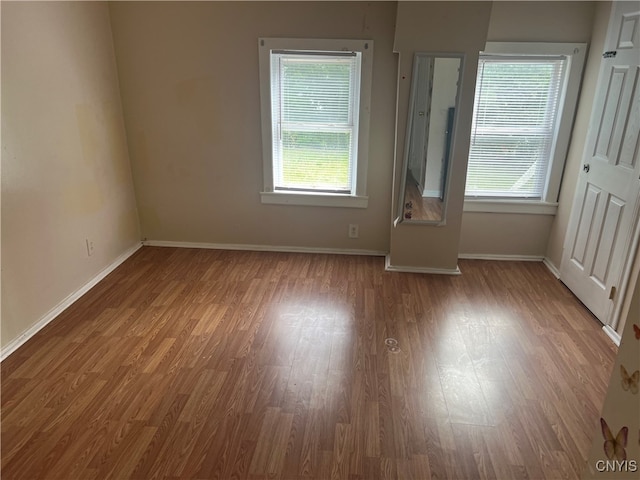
point(516, 108)
point(315, 105)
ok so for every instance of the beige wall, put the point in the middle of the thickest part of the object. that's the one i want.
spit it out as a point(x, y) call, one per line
point(65, 167)
point(458, 27)
point(190, 87)
point(538, 21)
point(519, 234)
point(578, 139)
point(528, 235)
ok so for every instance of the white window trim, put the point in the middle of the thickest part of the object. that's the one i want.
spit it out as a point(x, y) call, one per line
point(511, 206)
point(576, 53)
point(358, 199)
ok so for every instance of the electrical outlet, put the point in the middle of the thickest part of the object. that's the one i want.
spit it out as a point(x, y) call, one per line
point(353, 230)
point(90, 247)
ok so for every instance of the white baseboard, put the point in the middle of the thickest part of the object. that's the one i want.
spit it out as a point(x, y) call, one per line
point(406, 269)
point(505, 258)
point(514, 258)
point(263, 248)
point(552, 268)
point(612, 334)
point(16, 343)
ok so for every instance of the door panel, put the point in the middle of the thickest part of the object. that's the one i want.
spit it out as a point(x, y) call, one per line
point(628, 38)
point(610, 230)
point(587, 220)
point(612, 104)
point(629, 150)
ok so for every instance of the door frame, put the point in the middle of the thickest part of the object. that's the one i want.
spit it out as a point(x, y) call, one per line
point(627, 279)
point(630, 261)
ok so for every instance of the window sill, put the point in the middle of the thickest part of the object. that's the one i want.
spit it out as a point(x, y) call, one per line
point(314, 199)
point(534, 207)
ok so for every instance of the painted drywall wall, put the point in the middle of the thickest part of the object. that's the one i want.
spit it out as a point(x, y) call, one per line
point(521, 234)
point(456, 27)
point(573, 164)
point(551, 21)
point(483, 233)
point(65, 168)
point(190, 90)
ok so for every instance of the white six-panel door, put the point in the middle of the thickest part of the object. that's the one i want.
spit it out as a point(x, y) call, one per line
point(607, 201)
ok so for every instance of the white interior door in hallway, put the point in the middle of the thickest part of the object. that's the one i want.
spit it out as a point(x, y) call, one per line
point(601, 235)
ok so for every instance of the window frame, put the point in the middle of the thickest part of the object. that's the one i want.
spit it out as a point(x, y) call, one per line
point(575, 54)
point(358, 197)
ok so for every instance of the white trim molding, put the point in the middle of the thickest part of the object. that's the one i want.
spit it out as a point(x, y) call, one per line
point(612, 334)
point(574, 55)
point(505, 258)
point(552, 268)
point(16, 343)
point(408, 269)
point(514, 258)
point(510, 206)
point(264, 248)
point(314, 199)
point(360, 116)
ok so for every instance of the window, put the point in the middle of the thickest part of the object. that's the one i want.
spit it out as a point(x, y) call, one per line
point(523, 110)
point(315, 104)
point(514, 119)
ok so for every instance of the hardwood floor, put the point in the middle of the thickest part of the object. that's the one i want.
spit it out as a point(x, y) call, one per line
point(219, 364)
point(417, 207)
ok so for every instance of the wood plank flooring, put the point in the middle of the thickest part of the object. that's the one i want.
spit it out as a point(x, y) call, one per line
point(203, 364)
